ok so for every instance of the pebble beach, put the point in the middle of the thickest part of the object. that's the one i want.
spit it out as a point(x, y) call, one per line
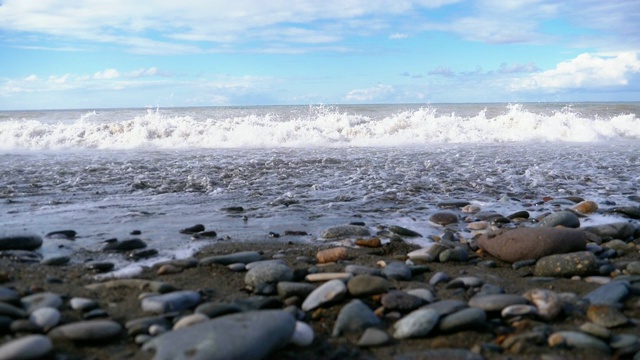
point(520, 285)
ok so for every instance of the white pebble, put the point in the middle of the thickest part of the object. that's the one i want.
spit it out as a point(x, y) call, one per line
point(303, 335)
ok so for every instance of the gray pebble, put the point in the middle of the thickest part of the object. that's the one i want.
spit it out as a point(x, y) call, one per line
point(289, 288)
point(20, 242)
point(563, 218)
point(463, 320)
point(249, 335)
point(26, 348)
point(45, 317)
point(439, 277)
point(575, 339)
point(345, 231)
point(582, 263)
point(418, 323)
point(445, 307)
point(39, 300)
point(244, 257)
point(90, 330)
point(496, 302)
point(173, 301)
point(374, 337)
point(397, 271)
point(354, 317)
point(333, 290)
point(608, 294)
point(83, 304)
point(270, 272)
point(366, 285)
point(398, 300)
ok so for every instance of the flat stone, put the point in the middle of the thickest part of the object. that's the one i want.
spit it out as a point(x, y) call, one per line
point(20, 242)
point(125, 245)
point(519, 310)
point(361, 270)
point(374, 337)
point(612, 293)
point(345, 231)
point(268, 273)
point(397, 271)
point(328, 292)
point(443, 218)
point(56, 260)
point(289, 288)
point(548, 303)
point(318, 277)
point(248, 335)
point(496, 302)
point(215, 309)
point(575, 339)
point(12, 311)
point(404, 231)
point(366, 285)
point(447, 306)
point(173, 301)
point(621, 230)
point(531, 243)
point(400, 301)
point(464, 319)
point(561, 218)
point(418, 323)
point(354, 317)
point(90, 330)
point(607, 316)
point(582, 263)
point(26, 348)
point(243, 257)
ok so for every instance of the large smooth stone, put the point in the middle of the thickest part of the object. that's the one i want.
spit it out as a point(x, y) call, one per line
point(612, 293)
point(575, 339)
point(345, 231)
point(443, 218)
point(464, 319)
point(418, 323)
point(561, 218)
point(91, 330)
point(249, 335)
point(26, 348)
point(269, 272)
point(20, 242)
point(531, 243)
point(366, 285)
point(354, 317)
point(328, 292)
point(620, 230)
point(173, 301)
point(580, 263)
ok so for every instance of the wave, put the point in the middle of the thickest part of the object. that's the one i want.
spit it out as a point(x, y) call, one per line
point(320, 126)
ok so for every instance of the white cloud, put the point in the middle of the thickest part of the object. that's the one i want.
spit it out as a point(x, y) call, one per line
point(378, 92)
point(106, 74)
point(586, 71)
point(518, 68)
point(443, 71)
point(397, 36)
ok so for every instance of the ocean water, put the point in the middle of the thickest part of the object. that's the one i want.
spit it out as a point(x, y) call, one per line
point(107, 172)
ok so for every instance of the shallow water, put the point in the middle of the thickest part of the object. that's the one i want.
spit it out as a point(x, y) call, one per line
point(107, 191)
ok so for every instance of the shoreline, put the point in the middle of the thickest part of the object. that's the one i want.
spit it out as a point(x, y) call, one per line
point(218, 284)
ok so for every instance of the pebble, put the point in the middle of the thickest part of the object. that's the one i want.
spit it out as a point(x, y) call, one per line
point(125, 245)
point(438, 354)
point(40, 300)
point(288, 289)
point(404, 231)
point(190, 320)
point(369, 243)
point(465, 282)
point(607, 316)
point(620, 230)
point(575, 339)
point(333, 290)
point(193, 229)
point(244, 257)
point(633, 267)
point(303, 334)
point(439, 277)
point(20, 242)
point(425, 294)
point(443, 218)
point(496, 302)
point(100, 266)
point(353, 318)
point(328, 276)
point(361, 270)
point(331, 255)
point(345, 231)
point(445, 307)
point(548, 303)
point(582, 263)
point(398, 300)
point(366, 285)
point(12, 311)
point(457, 254)
point(513, 245)
point(397, 271)
point(566, 219)
point(56, 260)
point(418, 323)
point(26, 348)
point(90, 330)
point(608, 294)
point(518, 310)
point(586, 207)
point(464, 319)
point(248, 335)
point(374, 337)
point(173, 301)
point(62, 234)
point(596, 330)
point(215, 309)
point(270, 272)
point(45, 317)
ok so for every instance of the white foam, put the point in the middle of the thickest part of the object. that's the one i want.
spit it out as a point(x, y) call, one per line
point(318, 127)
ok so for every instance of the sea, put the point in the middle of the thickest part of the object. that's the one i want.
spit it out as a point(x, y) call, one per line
point(108, 172)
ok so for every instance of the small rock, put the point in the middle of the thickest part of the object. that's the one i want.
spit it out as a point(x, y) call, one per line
point(345, 231)
point(56, 260)
point(366, 285)
point(303, 334)
point(561, 218)
point(418, 323)
point(621, 230)
point(496, 302)
point(270, 272)
point(578, 340)
point(125, 245)
point(374, 337)
point(581, 263)
point(288, 289)
point(26, 348)
point(20, 242)
point(404, 231)
point(547, 302)
point(328, 276)
point(443, 218)
point(464, 319)
point(369, 242)
point(193, 229)
point(607, 316)
point(328, 292)
point(397, 271)
point(244, 257)
point(40, 300)
point(90, 330)
point(398, 300)
point(62, 234)
point(331, 255)
point(531, 243)
point(190, 320)
point(586, 207)
point(45, 317)
point(518, 310)
point(173, 301)
point(354, 317)
point(608, 294)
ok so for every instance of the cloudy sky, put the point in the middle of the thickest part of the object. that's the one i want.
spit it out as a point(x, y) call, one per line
point(123, 53)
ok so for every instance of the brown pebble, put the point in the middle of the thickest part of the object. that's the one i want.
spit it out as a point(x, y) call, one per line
point(167, 269)
point(371, 243)
point(586, 207)
point(331, 255)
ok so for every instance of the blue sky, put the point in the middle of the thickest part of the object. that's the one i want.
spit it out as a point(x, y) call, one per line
point(121, 53)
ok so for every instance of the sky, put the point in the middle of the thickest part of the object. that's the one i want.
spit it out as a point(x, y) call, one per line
point(62, 54)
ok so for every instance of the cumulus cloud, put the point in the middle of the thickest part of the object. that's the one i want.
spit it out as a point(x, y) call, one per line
point(587, 71)
point(442, 71)
point(106, 74)
point(375, 93)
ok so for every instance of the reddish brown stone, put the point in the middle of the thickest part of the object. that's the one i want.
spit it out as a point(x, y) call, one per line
point(531, 243)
